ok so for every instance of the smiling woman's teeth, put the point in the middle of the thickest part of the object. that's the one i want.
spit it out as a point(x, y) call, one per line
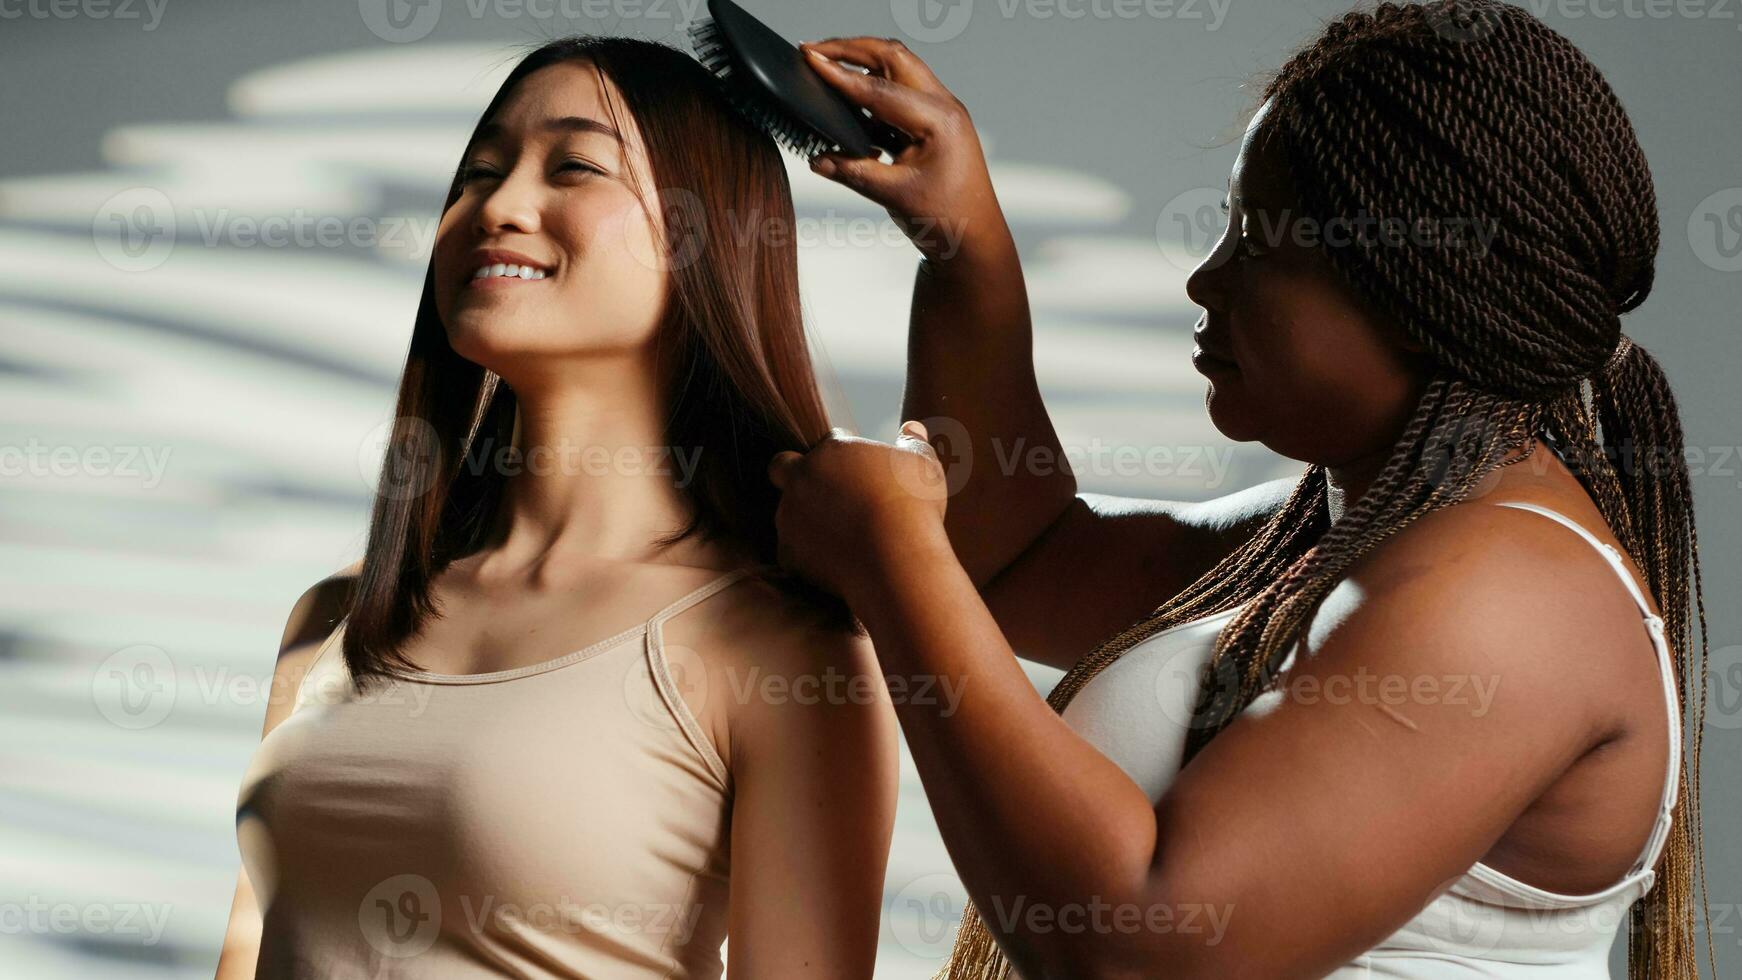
point(509, 271)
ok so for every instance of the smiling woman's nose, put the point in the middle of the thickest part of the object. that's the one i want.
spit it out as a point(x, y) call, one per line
point(510, 206)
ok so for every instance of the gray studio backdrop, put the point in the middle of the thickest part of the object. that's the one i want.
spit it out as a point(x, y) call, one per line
point(214, 220)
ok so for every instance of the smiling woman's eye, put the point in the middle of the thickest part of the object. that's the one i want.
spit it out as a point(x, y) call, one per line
point(473, 171)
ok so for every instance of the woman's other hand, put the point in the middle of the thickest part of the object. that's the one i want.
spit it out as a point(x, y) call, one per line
point(850, 507)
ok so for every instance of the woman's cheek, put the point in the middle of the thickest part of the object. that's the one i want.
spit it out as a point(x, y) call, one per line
point(622, 278)
point(623, 232)
point(446, 260)
point(1284, 399)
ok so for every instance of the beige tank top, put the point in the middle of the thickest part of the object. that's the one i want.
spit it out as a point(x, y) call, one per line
point(564, 819)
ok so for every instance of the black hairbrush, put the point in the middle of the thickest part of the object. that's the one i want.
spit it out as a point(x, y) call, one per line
point(770, 82)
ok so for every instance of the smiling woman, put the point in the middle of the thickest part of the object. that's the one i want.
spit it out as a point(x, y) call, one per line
point(505, 759)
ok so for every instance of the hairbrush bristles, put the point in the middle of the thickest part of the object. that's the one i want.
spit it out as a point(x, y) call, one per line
point(751, 101)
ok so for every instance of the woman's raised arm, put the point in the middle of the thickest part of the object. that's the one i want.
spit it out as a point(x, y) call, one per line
point(970, 363)
point(1015, 519)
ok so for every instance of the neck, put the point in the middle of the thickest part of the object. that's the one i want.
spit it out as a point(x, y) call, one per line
point(594, 478)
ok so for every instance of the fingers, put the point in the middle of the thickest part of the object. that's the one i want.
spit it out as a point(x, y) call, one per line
point(914, 438)
point(885, 56)
point(883, 183)
point(781, 466)
point(913, 111)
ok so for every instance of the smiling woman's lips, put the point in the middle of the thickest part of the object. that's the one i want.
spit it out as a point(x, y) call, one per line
point(504, 282)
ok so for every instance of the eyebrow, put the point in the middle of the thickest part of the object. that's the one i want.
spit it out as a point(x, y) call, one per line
point(560, 124)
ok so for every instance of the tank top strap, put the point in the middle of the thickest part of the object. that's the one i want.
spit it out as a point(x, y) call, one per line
point(1607, 551)
point(671, 683)
point(697, 595)
point(1666, 672)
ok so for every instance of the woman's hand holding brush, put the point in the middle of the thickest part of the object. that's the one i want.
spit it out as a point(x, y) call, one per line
point(937, 187)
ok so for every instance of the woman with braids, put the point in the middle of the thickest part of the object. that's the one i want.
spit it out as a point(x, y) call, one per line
point(1438, 729)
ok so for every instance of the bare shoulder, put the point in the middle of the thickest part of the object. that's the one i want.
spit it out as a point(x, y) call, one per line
point(318, 610)
point(313, 618)
point(769, 633)
point(1482, 588)
point(1497, 553)
point(777, 670)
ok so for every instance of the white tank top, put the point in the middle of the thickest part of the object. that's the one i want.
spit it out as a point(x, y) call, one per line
point(565, 819)
point(1486, 924)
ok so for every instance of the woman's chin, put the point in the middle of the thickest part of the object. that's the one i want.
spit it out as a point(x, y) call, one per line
point(1229, 412)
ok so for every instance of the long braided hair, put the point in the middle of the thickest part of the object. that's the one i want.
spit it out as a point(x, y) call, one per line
point(1476, 109)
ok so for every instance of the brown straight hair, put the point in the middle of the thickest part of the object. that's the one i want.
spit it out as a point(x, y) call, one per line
point(739, 385)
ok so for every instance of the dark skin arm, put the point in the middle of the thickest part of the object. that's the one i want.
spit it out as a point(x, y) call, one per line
point(1018, 530)
point(970, 339)
point(1286, 806)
